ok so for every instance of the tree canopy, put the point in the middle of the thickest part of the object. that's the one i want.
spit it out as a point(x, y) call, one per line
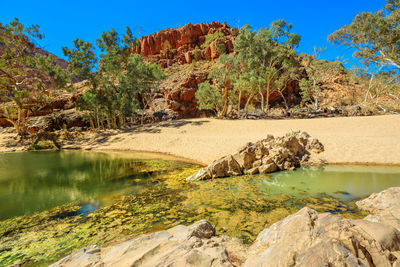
point(263, 61)
point(375, 36)
point(25, 74)
point(123, 84)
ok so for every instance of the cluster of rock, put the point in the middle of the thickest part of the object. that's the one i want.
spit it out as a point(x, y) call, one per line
point(179, 45)
point(180, 87)
point(305, 238)
point(265, 156)
point(194, 245)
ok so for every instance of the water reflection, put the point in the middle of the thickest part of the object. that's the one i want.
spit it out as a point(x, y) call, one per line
point(37, 181)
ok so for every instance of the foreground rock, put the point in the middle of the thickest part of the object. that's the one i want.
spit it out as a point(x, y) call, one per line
point(307, 238)
point(384, 207)
point(265, 156)
point(193, 245)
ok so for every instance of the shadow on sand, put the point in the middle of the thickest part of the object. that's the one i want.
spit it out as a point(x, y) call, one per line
point(104, 136)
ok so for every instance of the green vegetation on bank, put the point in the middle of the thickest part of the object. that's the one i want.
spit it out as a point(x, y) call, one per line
point(123, 85)
point(262, 62)
point(25, 75)
point(119, 86)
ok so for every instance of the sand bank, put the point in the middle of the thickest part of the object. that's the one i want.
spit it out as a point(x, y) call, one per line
point(361, 140)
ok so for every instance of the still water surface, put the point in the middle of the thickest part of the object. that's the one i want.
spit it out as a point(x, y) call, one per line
point(36, 181)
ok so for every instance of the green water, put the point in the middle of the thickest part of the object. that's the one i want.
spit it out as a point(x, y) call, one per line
point(75, 199)
point(37, 181)
point(342, 182)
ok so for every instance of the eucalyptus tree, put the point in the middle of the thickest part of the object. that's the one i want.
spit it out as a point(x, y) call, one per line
point(209, 97)
point(265, 56)
point(249, 65)
point(122, 84)
point(374, 36)
point(25, 74)
point(83, 61)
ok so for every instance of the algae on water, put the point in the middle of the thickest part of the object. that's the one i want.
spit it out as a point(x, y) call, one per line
point(156, 197)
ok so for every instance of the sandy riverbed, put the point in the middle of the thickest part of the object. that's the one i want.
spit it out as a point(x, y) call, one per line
point(347, 140)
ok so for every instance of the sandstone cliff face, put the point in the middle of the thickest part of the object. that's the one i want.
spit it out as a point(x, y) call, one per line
point(178, 45)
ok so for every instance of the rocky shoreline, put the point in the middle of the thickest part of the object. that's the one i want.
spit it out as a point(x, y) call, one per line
point(305, 238)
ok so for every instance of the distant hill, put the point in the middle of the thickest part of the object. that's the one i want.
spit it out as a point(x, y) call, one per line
point(61, 62)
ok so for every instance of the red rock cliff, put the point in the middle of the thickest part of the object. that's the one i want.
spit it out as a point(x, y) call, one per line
point(182, 45)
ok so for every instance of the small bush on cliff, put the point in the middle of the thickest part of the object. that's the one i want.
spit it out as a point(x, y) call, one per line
point(216, 39)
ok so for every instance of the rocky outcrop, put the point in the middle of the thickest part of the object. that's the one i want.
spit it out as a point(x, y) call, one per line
point(178, 90)
point(311, 239)
point(183, 45)
point(265, 156)
point(63, 119)
point(193, 245)
point(387, 200)
point(307, 238)
point(384, 207)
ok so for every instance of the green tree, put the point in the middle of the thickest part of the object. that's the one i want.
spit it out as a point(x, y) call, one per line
point(221, 76)
point(317, 70)
point(25, 74)
point(374, 36)
point(265, 56)
point(123, 85)
point(83, 61)
point(209, 97)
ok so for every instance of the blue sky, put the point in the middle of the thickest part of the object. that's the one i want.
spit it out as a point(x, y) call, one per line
point(63, 21)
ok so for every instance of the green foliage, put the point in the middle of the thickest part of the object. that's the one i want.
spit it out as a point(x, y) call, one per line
point(123, 85)
point(306, 90)
point(375, 36)
point(82, 59)
point(216, 39)
point(196, 54)
point(262, 62)
point(378, 83)
point(211, 37)
point(25, 74)
point(209, 97)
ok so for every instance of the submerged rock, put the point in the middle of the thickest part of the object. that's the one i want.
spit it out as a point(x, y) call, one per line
point(265, 156)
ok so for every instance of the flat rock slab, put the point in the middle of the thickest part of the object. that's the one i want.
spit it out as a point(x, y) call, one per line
point(193, 245)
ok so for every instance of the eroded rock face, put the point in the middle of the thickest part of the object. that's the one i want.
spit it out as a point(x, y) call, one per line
point(193, 245)
point(265, 156)
point(182, 45)
point(307, 238)
point(384, 207)
point(386, 200)
point(57, 120)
